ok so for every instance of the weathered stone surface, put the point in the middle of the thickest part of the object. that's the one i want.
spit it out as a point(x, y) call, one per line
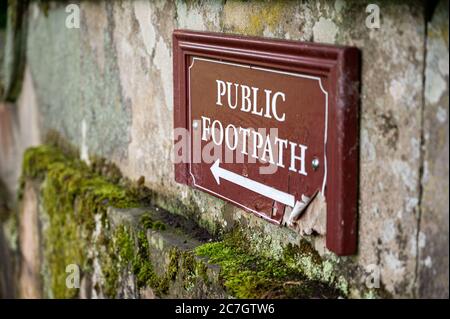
point(136, 251)
point(162, 244)
point(30, 284)
point(433, 242)
point(19, 129)
point(107, 87)
point(130, 75)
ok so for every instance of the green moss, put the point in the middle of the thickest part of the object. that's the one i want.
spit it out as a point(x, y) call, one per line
point(72, 196)
point(182, 265)
point(36, 161)
point(144, 271)
point(108, 170)
point(125, 245)
point(142, 267)
point(132, 250)
point(249, 275)
point(53, 138)
point(75, 198)
point(172, 269)
point(148, 223)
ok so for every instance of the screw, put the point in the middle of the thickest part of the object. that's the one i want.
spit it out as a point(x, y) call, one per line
point(195, 124)
point(315, 163)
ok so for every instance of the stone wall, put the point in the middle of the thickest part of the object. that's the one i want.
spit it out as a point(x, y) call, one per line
point(106, 90)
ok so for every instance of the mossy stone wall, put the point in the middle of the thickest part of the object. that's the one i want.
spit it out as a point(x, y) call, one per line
point(122, 242)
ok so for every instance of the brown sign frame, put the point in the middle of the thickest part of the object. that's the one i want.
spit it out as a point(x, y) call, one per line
point(339, 65)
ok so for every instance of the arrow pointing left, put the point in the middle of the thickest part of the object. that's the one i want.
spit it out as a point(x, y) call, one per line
point(267, 191)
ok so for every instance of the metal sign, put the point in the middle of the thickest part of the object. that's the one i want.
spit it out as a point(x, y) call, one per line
point(268, 124)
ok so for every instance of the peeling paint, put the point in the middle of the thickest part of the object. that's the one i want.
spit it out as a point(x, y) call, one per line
point(313, 219)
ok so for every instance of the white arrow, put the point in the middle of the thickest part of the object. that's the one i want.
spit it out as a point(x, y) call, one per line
point(267, 191)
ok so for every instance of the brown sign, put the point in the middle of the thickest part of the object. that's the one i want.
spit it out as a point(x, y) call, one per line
point(268, 125)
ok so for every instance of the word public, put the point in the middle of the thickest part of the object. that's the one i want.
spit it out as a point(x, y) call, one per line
point(248, 141)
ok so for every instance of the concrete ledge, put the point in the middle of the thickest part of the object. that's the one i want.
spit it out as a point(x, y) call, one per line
point(173, 247)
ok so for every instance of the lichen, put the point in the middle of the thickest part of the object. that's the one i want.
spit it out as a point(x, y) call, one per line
point(267, 17)
point(306, 260)
point(255, 18)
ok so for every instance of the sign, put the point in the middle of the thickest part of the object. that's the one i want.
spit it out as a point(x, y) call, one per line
point(267, 125)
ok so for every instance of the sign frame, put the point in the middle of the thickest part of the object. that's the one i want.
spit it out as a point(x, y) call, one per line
point(341, 68)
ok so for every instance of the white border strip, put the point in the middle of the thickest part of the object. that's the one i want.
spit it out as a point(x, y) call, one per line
point(266, 70)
